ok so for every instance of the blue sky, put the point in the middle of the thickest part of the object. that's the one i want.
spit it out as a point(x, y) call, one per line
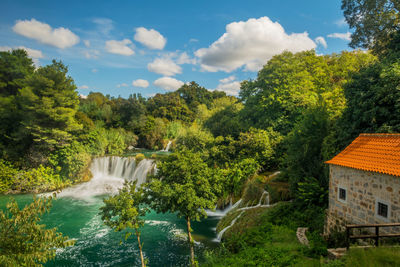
point(124, 47)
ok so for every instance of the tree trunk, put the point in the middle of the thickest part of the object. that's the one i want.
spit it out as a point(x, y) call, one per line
point(192, 262)
point(140, 249)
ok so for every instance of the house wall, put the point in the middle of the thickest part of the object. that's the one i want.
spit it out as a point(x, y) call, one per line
point(363, 189)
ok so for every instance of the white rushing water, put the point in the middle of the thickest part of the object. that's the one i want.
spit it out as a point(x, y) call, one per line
point(262, 203)
point(166, 149)
point(222, 213)
point(109, 174)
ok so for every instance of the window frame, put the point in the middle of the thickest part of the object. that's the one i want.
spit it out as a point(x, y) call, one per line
point(384, 202)
point(338, 194)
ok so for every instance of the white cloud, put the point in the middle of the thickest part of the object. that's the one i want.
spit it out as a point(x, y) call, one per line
point(228, 79)
point(84, 87)
point(122, 85)
point(86, 43)
point(32, 53)
point(104, 25)
point(140, 83)
point(185, 59)
point(321, 40)
point(168, 83)
point(119, 47)
point(165, 66)
point(150, 38)
point(42, 32)
point(83, 96)
point(91, 54)
point(251, 44)
point(344, 36)
point(193, 40)
point(341, 22)
point(231, 88)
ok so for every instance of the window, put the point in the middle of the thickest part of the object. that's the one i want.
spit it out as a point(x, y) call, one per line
point(342, 194)
point(383, 209)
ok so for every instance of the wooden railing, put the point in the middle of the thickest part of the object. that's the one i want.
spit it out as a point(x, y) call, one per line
point(375, 236)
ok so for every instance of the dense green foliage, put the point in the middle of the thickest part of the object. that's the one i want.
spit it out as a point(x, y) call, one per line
point(185, 185)
point(266, 237)
point(300, 110)
point(376, 23)
point(125, 211)
point(23, 240)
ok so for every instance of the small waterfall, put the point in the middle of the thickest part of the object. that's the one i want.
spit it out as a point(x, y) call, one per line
point(264, 198)
point(166, 149)
point(109, 174)
point(220, 234)
point(222, 213)
point(262, 203)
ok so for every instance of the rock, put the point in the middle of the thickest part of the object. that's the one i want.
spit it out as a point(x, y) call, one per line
point(336, 253)
point(301, 235)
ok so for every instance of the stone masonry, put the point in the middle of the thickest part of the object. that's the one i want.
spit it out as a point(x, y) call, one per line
point(363, 190)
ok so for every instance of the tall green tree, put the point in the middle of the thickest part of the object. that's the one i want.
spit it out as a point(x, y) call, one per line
point(291, 83)
point(185, 185)
point(50, 101)
point(15, 67)
point(304, 157)
point(376, 23)
point(126, 211)
point(373, 101)
point(24, 241)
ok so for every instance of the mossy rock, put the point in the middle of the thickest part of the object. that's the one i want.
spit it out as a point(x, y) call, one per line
point(139, 157)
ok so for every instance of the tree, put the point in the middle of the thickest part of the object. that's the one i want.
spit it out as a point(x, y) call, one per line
point(185, 185)
point(49, 102)
point(376, 23)
point(237, 173)
point(125, 210)
point(291, 83)
point(23, 240)
point(260, 145)
point(373, 101)
point(226, 121)
point(304, 157)
point(15, 66)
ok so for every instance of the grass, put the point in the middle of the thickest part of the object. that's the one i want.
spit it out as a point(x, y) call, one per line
point(370, 257)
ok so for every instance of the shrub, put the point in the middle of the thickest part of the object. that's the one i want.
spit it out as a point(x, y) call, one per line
point(8, 176)
point(139, 157)
point(71, 162)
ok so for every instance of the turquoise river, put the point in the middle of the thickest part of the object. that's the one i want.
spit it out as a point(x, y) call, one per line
point(75, 213)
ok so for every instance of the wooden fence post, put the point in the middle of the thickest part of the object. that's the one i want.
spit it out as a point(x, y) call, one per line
point(377, 236)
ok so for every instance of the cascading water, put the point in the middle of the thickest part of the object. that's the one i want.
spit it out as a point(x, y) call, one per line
point(109, 174)
point(75, 213)
point(166, 149)
point(263, 199)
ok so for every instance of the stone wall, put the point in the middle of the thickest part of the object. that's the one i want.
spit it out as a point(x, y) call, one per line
point(363, 189)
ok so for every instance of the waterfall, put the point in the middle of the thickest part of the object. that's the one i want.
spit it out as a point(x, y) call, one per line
point(222, 213)
point(109, 174)
point(262, 203)
point(220, 234)
point(167, 147)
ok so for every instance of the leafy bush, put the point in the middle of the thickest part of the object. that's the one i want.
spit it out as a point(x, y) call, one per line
point(41, 179)
point(71, 161)
point(311, 193)
point(8, 175)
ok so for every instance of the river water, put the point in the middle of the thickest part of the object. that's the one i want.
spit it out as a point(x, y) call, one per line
point(75, 213)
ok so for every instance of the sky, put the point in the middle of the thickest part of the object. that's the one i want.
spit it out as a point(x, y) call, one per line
point(124, 47)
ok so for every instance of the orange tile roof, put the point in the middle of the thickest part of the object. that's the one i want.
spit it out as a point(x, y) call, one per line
point(372, 152)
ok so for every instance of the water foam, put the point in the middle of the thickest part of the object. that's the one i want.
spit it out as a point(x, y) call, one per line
point(109, 174)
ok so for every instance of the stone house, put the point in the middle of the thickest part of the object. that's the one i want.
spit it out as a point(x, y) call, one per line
point(364, 182)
